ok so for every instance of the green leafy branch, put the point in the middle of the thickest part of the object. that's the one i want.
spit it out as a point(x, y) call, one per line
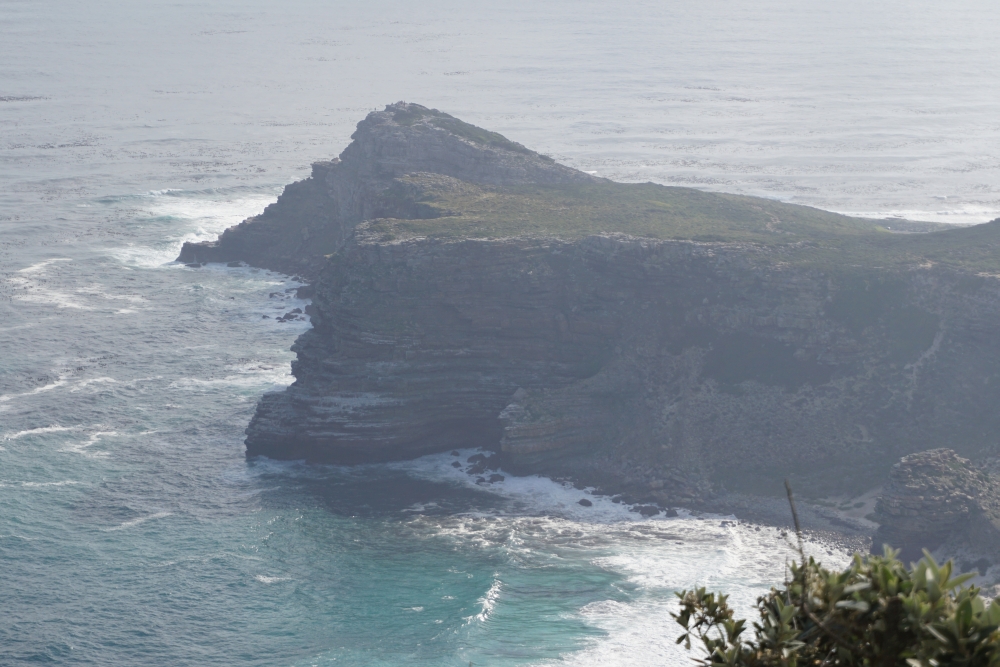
point(876, 612)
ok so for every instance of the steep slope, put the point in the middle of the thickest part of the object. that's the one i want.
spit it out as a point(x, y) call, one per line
point(313, 218)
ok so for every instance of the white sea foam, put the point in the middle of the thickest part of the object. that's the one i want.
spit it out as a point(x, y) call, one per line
point(65, 482)
point(38, 390)
point(40, 485)
point(532, 493)
point(40, 431)
point(135, 522)
point(269, 580)
point(277, 377)
point(86, 383)
point(84, 447)
point(965, 215)
point(657, 555)
point(99, 291)
point(30, 291)
point(30, 286)
point(637, 632)
point(601, 608)
point(199, 216)
point(26, 325)
point(489, 600)
point(217, 207)
point(39, 267)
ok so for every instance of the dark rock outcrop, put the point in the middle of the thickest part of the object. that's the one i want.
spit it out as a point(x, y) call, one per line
point(936, 496)
point(469, 292)
point(662, 363)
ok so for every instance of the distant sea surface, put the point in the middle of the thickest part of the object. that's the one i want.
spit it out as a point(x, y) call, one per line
point(133, 531)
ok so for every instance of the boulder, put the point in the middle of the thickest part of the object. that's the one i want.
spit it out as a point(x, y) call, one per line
point(937, 496)
point(647, 510)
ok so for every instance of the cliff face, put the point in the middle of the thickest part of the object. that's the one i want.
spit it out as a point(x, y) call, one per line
point(658, 340)
point(632, 362)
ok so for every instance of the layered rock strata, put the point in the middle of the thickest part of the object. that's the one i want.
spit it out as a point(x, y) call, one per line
point(937, 496)
point(666, 362)
point(470, 292)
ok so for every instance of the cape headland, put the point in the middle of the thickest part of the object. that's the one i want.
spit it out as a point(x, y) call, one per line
point(663, 342)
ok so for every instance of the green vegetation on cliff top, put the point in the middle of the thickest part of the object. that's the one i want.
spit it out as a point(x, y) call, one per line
point(452, 209)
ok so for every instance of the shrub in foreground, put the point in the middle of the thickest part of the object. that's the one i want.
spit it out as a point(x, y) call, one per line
point(875, 612)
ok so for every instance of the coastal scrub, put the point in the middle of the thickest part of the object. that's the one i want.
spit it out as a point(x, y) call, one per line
point(875, 612)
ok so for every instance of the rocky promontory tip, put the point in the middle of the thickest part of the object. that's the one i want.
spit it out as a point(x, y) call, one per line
point(313, 218)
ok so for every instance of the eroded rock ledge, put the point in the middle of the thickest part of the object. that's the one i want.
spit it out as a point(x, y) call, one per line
point(664, 341)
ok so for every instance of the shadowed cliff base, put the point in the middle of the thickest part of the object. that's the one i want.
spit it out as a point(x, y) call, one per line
point(675, 344)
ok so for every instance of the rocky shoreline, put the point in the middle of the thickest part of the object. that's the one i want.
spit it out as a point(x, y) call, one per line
point(676, 347)
point(828, 525)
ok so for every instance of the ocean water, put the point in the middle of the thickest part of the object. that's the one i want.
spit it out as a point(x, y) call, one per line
point(132, 529)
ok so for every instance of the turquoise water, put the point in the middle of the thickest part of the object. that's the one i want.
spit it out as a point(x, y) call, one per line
point(134, 532)
point(132, 529)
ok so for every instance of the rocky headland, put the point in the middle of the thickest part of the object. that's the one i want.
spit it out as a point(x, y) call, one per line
point(677, 346)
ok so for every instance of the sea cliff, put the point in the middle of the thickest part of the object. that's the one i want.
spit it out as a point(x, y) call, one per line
point(668, 343)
